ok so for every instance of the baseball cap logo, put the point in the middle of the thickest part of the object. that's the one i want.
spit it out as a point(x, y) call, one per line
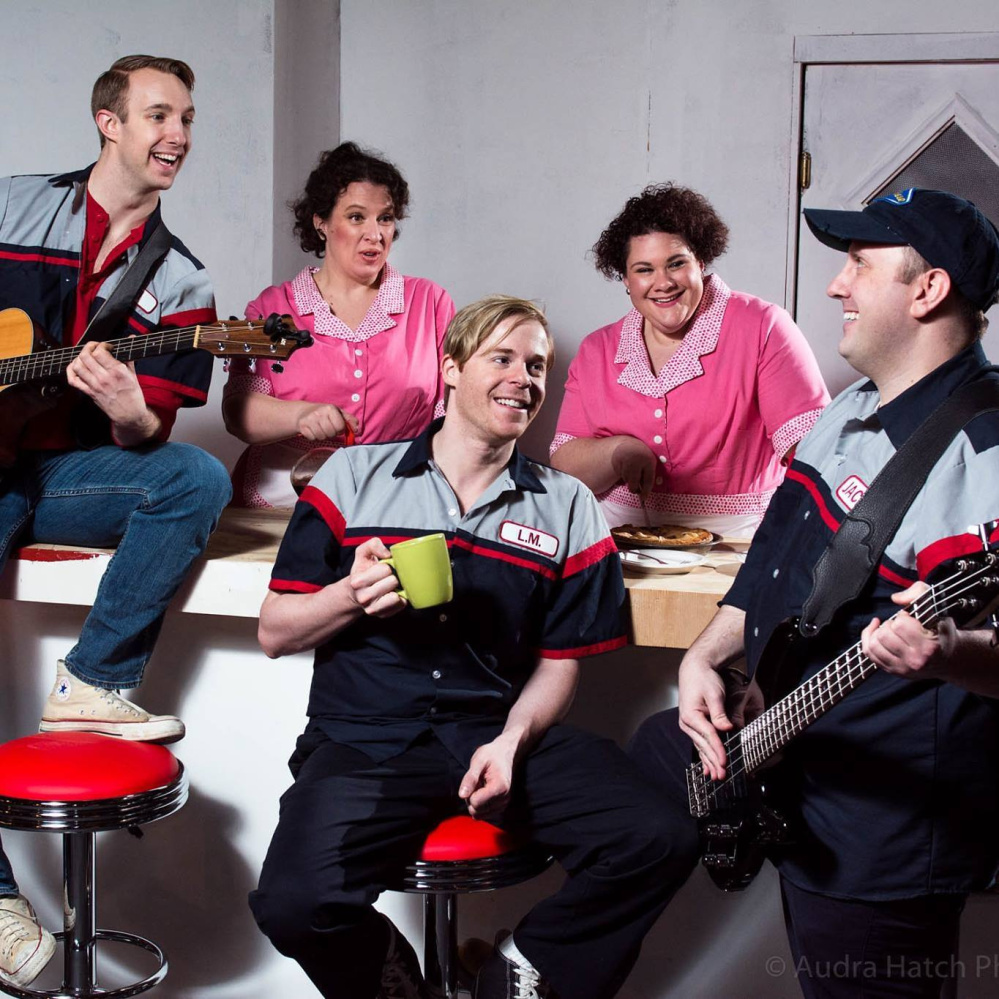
point(899, 197)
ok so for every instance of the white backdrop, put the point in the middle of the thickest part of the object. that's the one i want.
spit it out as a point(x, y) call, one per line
point(522, 127)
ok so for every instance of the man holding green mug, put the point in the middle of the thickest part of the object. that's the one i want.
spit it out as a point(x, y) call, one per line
point(416, 714)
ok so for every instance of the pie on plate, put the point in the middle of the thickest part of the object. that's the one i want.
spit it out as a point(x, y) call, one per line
point(661, 536)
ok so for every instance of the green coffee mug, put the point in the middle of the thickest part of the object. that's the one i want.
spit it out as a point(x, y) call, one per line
point(424, 570)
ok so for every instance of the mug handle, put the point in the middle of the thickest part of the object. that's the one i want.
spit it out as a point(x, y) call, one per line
point(391, 564)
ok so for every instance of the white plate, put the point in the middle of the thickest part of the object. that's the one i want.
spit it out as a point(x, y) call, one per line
point(659, 561)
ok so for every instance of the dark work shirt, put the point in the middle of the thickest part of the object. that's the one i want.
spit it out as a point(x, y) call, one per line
point(895, 789)
point(536, 575)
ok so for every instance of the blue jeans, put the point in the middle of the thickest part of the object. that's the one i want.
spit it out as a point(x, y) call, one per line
point(157, 503)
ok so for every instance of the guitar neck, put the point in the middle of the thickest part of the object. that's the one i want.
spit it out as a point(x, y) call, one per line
point(50, 363)
point(767, 734)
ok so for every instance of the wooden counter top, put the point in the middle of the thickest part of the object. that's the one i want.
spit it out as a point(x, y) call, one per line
point(231, 580)
point(671, 611)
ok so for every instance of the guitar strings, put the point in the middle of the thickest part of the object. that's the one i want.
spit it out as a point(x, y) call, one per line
point(927, 608)
point(811, 698)
point(49, 362)
point(812, 691)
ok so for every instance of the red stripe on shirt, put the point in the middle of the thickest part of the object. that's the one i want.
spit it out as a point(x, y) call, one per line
point(585, 650)
point(893, 577)
point(39, 258)
point(326, 509)
point(387, 539)
point(589, 556)
point(833, 524)
point(140, 327)
point(504, 556)
point(932, 555)
point(830, 521)
point(151, 381)
point(292, 585)
point(193, 317)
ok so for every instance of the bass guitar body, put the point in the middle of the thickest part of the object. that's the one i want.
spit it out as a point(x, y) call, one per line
point(745, 823)
point(20, 403)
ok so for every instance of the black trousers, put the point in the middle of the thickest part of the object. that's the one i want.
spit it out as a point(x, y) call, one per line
point(842, 948)
point(854, 949)
point(348, 825)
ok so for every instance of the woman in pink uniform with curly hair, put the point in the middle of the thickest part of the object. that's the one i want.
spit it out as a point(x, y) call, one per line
point(691, 404)
point(373, 372)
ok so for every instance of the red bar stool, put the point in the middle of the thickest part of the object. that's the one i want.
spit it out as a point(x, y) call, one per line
point(460, 856)
point(79, 784)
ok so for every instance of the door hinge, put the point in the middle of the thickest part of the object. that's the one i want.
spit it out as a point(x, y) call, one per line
point(805, 170)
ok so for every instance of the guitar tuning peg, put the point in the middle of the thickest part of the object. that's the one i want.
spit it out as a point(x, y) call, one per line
point(277, 367)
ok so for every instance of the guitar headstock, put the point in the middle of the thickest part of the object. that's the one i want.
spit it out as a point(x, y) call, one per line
point(275, 337)
point(965, 588)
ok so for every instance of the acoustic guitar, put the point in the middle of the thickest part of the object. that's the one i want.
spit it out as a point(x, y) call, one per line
point(31, 369)
point(737, 820)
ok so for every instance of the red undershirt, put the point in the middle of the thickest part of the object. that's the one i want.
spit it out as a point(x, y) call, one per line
point(52, 430)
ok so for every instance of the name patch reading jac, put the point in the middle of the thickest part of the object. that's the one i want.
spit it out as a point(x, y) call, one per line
point(528, 537)
point(851, 492)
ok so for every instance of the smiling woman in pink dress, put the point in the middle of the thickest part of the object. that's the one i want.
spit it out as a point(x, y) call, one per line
point(694, 400)
point(375, 364)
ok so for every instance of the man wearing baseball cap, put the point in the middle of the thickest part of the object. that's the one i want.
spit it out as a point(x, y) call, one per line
point(894, 791)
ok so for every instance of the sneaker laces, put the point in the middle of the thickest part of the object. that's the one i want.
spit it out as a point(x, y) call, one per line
point(526, 982)
point(114, 700)
point(15, 928)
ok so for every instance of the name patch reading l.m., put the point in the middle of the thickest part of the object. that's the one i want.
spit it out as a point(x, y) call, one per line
point(528, 537)
point(851, 491)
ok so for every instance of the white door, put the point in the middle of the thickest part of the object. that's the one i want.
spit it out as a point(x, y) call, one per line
point(873, 129)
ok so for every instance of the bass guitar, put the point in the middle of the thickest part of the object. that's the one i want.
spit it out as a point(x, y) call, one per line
point(737, 823)
point(30, 369)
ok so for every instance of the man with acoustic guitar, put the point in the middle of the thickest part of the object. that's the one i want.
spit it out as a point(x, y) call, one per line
point(892, 790)
point(92, 468)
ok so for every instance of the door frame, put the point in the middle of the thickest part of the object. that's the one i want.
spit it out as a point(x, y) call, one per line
point(811, 50)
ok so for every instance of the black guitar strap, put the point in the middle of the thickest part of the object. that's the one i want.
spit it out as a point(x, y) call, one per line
point(90, 426)
point(113, 314)
point(856, 548)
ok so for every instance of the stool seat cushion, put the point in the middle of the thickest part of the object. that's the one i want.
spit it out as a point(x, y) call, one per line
point(81, 766)
point(464, 838)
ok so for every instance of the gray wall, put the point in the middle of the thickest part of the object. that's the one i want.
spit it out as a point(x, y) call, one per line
point(523, 127)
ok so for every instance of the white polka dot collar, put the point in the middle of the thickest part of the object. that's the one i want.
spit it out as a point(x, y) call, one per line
point(389, 301)
point(701, 338)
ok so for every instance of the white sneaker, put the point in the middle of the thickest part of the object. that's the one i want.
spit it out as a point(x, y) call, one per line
point(75, 706)
point(25, 946)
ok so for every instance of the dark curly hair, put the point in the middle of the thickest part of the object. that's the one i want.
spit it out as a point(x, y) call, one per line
point(661, 208)
point(337, 169)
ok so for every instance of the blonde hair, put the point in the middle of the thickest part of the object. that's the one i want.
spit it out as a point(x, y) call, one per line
point(475, 323)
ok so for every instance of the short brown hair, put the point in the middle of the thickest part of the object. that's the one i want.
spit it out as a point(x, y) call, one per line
point(914, 263)
point(110, 91)
point(475, 323)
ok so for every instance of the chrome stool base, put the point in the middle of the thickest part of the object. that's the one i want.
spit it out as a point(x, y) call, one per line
point(440, 882)
point(79, 822)
point(113, 936)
